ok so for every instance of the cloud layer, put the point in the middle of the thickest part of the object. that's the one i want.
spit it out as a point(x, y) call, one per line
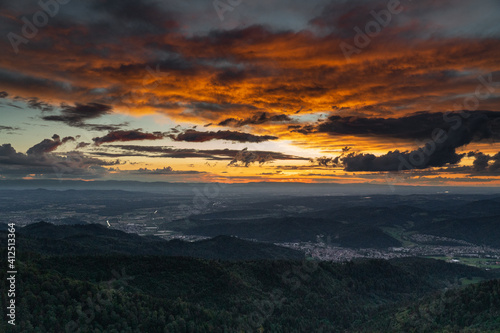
point(197, 136)
point(272, 73)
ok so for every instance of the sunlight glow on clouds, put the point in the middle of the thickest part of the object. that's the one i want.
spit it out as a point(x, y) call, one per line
point(269, 78)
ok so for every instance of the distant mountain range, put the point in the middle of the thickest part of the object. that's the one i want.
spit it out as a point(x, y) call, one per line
point(301, 229)
point(356, 223)
point(291, 189)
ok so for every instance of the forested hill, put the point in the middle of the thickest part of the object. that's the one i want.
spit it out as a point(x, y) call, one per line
point(475, 308)
point(121, 293)
point(94, 279)
point(95, 239)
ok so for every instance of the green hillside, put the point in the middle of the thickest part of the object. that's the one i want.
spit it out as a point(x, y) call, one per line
point(475, 308)
point(172, 294)
point(90, 278)
point(95, 239)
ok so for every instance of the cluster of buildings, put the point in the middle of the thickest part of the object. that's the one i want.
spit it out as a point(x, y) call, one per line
point(322, 251)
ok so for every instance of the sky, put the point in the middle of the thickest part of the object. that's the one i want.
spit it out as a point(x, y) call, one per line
point(376, 92)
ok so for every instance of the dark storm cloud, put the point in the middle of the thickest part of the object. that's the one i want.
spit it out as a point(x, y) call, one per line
point(495, 167)
point(259, 118)
point(132, 135)
point(417, 126)
point(204, 107)
point(196, 136)
point(109, 127)
point(43, 164)
point(14, 106)
point(20, 81)
point(77, 115)
point(340, 17)
point(212, 154)
point(158, 151)
point(165, 171)
point(325, 161)
point(82, 145)
point(311, 90)
point(157, 69)
point(303, 129)
point(245, 158)
point(137, 17)
point(48, 145)
point(81, 112)
point(35, 103)
point(231, 75)
point(400, 161)
point(482, 162)
point(439, 149)
point(8, 128)
point(116, 155)
point(443, 134)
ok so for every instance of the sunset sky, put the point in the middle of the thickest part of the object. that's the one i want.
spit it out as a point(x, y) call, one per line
point(405, 92)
